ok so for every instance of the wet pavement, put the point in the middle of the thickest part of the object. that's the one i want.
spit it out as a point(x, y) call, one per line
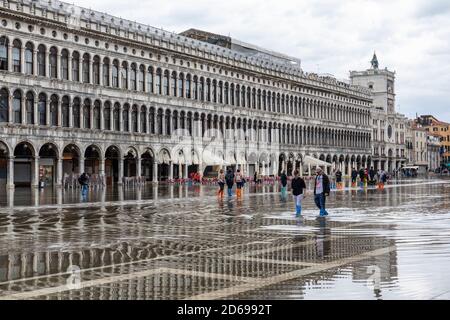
point(183, 242)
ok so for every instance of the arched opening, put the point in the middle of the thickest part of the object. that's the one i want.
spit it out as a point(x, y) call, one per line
point(281, 163)
point(112, 156)
point(163, 165)
point(92, 160)
point(147, 161)
point(48, 157)
point(16, 59)
point(17, 106)
point(23, 158)
point(71, 160)
point(4, 155)
point(4, 105)
point(129, 164)
point(4, 53)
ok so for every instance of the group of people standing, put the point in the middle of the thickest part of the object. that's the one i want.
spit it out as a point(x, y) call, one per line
point(298, 186)
point(230, 179)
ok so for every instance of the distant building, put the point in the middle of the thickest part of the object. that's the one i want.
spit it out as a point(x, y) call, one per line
point(441, 129)
point(433, 150)
point(388, 126)
point(420, 147)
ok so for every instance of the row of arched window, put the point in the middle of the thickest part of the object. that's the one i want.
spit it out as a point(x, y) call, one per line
point(138, 77)
point(50, 110)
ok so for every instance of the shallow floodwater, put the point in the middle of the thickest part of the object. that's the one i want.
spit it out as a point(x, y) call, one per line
point(176, 242)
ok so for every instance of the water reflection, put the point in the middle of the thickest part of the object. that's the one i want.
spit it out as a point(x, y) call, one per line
point(400, 235)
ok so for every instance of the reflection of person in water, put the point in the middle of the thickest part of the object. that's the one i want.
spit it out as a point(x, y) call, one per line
point(323, 238)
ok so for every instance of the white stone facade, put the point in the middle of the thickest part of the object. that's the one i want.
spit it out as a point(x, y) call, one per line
point(389, 127)
point(85, 91)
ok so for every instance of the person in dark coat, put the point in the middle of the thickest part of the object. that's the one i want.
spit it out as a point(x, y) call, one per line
point(372, 174)
point(229, 179)
point(354, 175)
point(283, 180)
point(298, 186)
point(338, 175)
point(321, 190)
point(83, 180)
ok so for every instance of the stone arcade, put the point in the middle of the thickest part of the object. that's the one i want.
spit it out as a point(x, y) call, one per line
point(81, 91)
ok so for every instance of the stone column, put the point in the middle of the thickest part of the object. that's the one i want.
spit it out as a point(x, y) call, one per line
point(102, 120)
point(185, 176)
point(10, 174)
point(58, 64)
point(69, 66)
point(10, 64)
point(35, 172)
point(35, 68)
point(35, 112)
point(170, 170)
point(59, 119)
point(155, 172)
point(47, 111)
point(138, 167)
point(180, 171)
point(147, 121)
point(23, 109)
point(81, 165)
point(101, 167)
point(121, 118)
point(91, 69)
point(22, 60)
point(120, 178)
point(59, 172)
point(100, 71)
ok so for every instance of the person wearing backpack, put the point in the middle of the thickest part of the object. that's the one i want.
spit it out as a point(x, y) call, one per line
point(83, 180)
point(221, 182)
point(229, 179)
point(239, 182)
point(298, 186)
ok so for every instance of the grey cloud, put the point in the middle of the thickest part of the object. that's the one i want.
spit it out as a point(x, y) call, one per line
point(410, 36)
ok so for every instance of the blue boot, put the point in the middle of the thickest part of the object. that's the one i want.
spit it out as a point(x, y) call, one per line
point(298, 211)
point(229, 193)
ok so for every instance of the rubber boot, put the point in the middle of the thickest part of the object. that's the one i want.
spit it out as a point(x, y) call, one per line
point(298, 210)
point(229, 192)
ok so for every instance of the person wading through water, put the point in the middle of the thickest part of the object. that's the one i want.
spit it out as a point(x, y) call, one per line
point(283, 180)
point(321, 190)
point(83, 180)
point(298, 186)
point(229, 179)
point(221, 182)
point(239, 182)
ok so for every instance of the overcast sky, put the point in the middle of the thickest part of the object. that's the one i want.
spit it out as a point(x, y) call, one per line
point(411, 37)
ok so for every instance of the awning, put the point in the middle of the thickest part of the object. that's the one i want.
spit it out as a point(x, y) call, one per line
point(210, 159)
point(308, 160)
point(411, 168)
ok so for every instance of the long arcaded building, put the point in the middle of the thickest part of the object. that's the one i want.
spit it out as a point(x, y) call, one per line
point(82, 90)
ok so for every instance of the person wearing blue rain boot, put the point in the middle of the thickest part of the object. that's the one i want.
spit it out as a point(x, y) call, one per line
point(284, 181)
point(229, 179)
point(321, 190)
point(298, 186)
